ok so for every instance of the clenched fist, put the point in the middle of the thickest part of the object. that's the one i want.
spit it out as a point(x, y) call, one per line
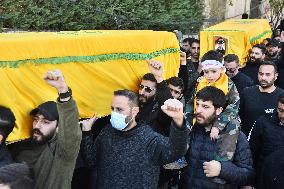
point(56, 79)
point(174, 109)
point(156, 68)
point(212, 168)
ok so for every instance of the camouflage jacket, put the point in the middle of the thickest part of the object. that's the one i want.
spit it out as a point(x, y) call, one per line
point(228, 114)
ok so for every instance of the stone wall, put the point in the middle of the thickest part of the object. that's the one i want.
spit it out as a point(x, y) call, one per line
point(219, 10)
point(236, 8)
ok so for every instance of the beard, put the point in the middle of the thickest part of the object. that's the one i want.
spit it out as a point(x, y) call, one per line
point(40, 138)
point(255, 60)
point(195, 55)
point(266, 84)
point(273, 54)
point(129, 119)
point(143, 100)
point(231, 75)
point(207, 121)
point(281, 120)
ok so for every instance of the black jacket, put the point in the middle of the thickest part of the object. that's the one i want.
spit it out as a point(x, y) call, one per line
point(280, 64)
point(242, 81)
point(267, 137)
point(251, 70)
point(201, 148)
point(5, 156)
point(151, 113)
point(189, 76)
point(272, 173)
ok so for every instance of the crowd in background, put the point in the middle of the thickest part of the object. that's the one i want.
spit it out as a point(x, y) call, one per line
point(216, 125)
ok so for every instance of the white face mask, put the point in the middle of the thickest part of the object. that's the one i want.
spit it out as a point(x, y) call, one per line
point(117, 121)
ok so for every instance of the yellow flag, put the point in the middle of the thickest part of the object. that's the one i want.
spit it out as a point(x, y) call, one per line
point(94, 63)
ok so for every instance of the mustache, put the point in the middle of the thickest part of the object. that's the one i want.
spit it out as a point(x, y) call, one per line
point(141, 95)
point(195, 115)
point(37, 131)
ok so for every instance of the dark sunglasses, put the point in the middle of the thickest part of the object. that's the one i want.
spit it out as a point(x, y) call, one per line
point(147, 89)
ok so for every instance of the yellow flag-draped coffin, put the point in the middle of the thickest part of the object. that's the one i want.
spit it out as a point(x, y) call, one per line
point(94, 63)
point(235, 36)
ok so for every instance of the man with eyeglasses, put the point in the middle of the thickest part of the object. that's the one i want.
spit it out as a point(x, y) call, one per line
point(268, 137)
point(153, 92)
point(231, 63)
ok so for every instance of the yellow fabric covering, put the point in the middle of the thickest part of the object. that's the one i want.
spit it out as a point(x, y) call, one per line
point(95, 63)
point(239, 34)
point(221, 83)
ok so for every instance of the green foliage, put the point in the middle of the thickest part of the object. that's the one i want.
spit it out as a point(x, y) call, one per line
point(185, 15)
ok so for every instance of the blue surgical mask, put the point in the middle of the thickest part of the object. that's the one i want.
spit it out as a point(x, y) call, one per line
point(117, 121)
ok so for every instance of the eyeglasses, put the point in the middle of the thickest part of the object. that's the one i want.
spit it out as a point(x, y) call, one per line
point(175, 91)
point(147, 89)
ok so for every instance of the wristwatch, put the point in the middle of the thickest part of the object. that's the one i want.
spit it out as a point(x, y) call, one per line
point(65, 95)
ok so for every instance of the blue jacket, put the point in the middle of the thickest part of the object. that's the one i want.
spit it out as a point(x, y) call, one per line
point(238, 173)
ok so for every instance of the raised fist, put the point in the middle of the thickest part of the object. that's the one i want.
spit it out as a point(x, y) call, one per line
point(174, 109)
point(156, 68)
point(56, 79)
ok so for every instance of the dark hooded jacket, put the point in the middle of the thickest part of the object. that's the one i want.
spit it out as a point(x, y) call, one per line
point(267, 137)
point(251, 70)
point(5, 156)
point(237, 173)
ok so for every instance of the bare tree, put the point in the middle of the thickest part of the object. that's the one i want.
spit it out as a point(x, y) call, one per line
point(274, 11)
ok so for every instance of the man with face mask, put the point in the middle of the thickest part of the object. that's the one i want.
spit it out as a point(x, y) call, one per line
point(231, 63)
point(128, 154)
point(259, 100)
point(257, 56)
point(53, 148)
point(268, 137)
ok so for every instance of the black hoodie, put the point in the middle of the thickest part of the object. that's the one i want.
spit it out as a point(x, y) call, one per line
point(251, 70)
point(267, 137)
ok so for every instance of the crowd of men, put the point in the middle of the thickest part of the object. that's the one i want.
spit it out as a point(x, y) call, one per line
point(217, 125)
